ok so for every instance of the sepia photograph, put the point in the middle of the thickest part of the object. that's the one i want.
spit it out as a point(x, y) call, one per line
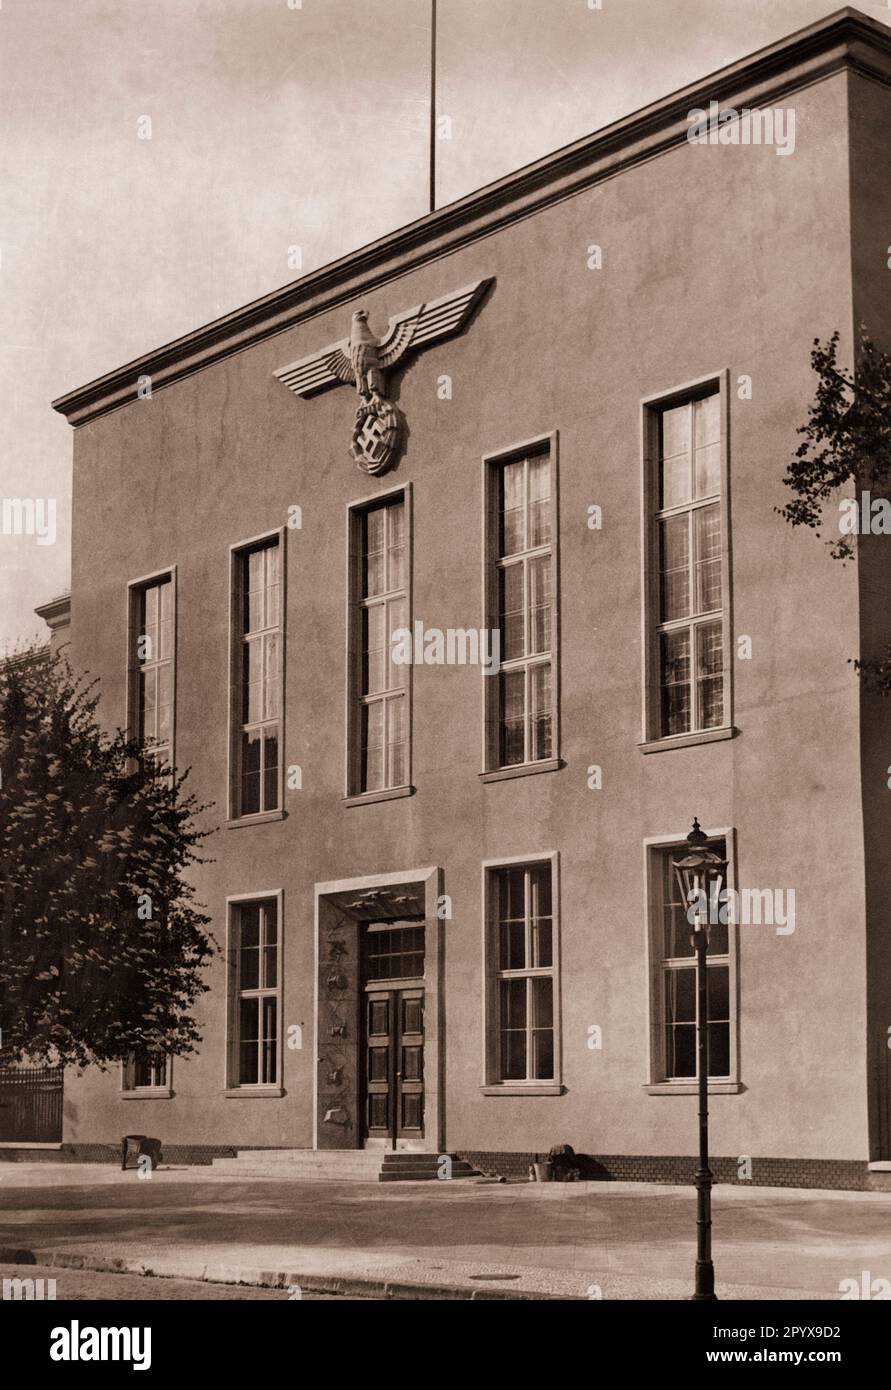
point(445, 672)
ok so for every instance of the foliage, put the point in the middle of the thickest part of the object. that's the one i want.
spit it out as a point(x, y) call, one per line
point(101, 948)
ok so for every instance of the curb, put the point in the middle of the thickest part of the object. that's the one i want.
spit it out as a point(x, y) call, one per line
point(346, 1286)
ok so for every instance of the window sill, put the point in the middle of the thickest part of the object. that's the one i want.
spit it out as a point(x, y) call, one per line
point(691, 1088)
point(661, 745)
point(236, 822)
point(254, 1092)
point(501, 774)
point(535, 1088)
point(148, 1093)
point(368, 798)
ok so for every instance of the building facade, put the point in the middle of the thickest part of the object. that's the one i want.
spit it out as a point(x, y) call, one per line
point(457, 707)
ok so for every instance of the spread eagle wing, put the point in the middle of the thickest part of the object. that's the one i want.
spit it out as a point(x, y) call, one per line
point(416, 328)
point(326, 368)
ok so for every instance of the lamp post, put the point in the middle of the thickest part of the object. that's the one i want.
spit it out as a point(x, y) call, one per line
point(700, 876)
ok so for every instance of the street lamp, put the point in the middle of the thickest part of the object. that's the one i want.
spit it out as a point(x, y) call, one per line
point(701, 876)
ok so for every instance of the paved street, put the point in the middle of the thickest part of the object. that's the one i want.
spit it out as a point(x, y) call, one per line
point(625, 1240)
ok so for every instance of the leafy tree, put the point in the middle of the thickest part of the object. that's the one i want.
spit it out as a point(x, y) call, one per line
point(846, 441)
point(101, 949)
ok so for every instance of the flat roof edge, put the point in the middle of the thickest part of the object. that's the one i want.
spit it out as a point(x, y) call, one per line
point(846, 39)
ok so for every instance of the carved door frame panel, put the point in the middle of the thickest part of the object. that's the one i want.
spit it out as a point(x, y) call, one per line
point(339, 995)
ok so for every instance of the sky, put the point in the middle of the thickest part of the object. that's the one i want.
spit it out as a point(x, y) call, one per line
point(273, 124)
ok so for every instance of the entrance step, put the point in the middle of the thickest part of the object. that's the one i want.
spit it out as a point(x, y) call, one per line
point(342, 1165)
point(878, 1176)
point(410, 1167)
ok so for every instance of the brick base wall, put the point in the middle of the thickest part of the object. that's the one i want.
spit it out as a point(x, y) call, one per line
point(840, 1174)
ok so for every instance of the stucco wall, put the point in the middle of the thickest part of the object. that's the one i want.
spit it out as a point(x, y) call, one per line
point(870, 113)
point(714, 258)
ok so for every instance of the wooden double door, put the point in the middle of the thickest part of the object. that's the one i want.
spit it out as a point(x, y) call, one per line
point(394, 1063)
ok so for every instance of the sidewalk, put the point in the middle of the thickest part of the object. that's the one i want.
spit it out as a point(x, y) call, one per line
point(441, 1240)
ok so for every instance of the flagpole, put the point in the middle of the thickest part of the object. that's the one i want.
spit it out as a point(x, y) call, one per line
point(432, 105)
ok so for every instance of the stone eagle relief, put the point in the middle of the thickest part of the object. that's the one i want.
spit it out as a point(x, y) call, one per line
point(362, 361)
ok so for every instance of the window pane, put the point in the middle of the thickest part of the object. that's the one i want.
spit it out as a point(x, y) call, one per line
point(707, 420)
point(674, 566)
point(540, 887)
point(397, 742)
point(542, 943)
point(677, 931)
point(513, 1004)
point(373, 552)
point(680, 995)
point(707, 539)
point(543, 1054)
point(542, 1002)
point(142, 1069)
point(512, 955)
point(542, 1029)
point(513, 722)
point(513, 893)
point(396, 545)
point(270, 769)
point(540, 685)
point(676, 431)
point(708, 471)
point(718, 993)
point(709, 674)
point(540, 604)
point(270, 676)
point(395, 673)
point(248, 1034)
point(513, 1055)
point(512, 508)
point(372, 746)
point(249, 966)
point(513, 1029)
point(165, 620)
point(254, 572)
point(675, 682)
point(165, 697)
point(719, 1049)
point(539, 501)
point(252, 681)
point(513, 639)
point(680, 1050)
point(270, 1040)
point(675, 457)
point(147, 702)
point(250, 773)
point(680, 1020)
point(373, 619)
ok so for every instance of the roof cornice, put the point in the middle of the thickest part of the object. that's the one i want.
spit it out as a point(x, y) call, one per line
point(56, 613)
point(844, 40)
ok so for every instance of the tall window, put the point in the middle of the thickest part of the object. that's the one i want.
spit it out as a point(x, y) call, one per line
point(255, 1005)
point(524, 608)
point(380, 746)
point(677, 999)
point(258, 689)
point(152, 638)
point(690, 631)
point(522, 963)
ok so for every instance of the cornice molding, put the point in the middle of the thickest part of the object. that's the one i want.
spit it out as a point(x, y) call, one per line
point(56, 613)
point(844, 40)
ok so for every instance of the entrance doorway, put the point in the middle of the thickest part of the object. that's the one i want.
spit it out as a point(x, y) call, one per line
point(393, 1034)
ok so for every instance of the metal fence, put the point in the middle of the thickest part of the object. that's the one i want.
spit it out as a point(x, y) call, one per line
point(30, 1105)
